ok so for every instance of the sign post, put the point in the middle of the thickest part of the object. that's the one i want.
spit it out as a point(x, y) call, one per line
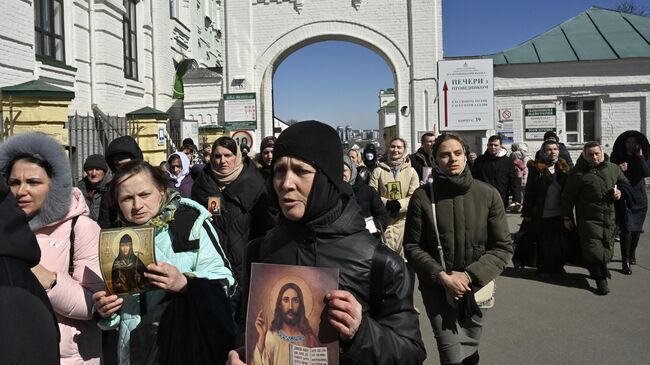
point(539, 119)
point(466, 95)
point(240, 111)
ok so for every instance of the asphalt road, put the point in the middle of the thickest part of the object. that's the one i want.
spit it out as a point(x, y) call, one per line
point(562, 321)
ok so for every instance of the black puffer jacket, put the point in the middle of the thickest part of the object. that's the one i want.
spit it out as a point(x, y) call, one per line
point(632, 216)
point(339, 239)
point(31, 333)
point(244, 212)
point(499, 172)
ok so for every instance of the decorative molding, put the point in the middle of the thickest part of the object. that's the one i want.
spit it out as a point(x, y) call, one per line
point(356, 4)
point(298, 5)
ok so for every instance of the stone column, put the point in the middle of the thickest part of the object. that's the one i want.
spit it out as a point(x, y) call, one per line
point(144, 126)
point(36, 106)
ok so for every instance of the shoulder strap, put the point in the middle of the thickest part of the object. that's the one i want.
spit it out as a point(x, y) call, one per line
point(435, 227)
point(217, 246)
point(377, 268)
point(72, 238)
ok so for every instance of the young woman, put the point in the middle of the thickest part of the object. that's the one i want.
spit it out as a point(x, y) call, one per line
point(395, 180)
point(546, 178)
point(38, 174)
point(475, 243)
point(186, 247)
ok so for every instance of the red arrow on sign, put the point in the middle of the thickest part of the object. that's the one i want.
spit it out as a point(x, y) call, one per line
point(445, 88)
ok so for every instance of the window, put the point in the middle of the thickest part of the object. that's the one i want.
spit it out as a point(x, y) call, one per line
point(48, 25)
point(580, 117)
point(130, 41)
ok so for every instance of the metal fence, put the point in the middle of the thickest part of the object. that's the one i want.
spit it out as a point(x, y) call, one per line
point(91, 134)
point(7, 119)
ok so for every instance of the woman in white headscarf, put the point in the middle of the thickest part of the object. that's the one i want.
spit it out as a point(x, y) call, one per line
point(178, 166)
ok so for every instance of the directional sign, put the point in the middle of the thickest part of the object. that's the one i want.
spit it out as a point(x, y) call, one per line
point(466, 95)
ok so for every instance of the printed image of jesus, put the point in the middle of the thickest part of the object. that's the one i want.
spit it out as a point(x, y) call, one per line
point(289, 326)
point(128, 270)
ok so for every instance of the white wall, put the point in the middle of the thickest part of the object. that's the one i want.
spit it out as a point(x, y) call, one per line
point(621, 89)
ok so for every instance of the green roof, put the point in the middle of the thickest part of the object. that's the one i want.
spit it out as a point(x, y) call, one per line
point(595, 34)
point(37, 88)
point(147, 113)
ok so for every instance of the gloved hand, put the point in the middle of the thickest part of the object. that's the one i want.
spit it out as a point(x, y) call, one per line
point(393, 207)
point(467, 306)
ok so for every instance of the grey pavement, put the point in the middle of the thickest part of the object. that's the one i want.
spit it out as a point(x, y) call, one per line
point(562, 321)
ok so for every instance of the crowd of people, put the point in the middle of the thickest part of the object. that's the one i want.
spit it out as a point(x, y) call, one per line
point(439, 213)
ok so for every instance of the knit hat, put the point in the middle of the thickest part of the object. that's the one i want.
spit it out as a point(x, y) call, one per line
point(96, 161)
point(316, 143)
point(267, 142)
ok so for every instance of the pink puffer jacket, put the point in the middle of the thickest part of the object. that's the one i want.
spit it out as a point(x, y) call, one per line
point(71, 297)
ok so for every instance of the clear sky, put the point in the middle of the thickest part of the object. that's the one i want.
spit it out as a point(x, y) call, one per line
point(339, 82)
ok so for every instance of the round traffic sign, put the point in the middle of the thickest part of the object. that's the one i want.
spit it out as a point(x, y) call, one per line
point(243, 138)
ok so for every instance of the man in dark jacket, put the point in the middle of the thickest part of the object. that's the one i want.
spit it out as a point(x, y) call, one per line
point(591, 188)
point(322, 227)
point(497, 169)
point(422, 157)
point(93, 185)
point(29, 327)
point(120, 151)
point(368, 198)
point(564, 152)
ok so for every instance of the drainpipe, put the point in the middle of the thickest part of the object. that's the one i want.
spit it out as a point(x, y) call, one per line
point(153, 53)
point(91, 50)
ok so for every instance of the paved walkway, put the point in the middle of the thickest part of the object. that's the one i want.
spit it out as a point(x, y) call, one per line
point(563, 321)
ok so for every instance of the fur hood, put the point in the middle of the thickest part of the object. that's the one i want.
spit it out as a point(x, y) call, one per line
point(57, 203)
point(542, 167)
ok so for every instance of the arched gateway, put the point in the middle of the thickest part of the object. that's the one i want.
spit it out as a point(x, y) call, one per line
point(260, 34)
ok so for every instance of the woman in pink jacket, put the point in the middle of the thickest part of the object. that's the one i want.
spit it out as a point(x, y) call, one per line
point(38, 173)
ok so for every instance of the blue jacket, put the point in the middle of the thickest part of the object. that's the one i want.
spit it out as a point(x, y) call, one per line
point(206, 262)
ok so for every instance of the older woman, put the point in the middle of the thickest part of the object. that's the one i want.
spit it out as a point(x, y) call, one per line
point(241, 189)
point(186, 247)
point(39, 176)
point(546, 178)
point(456, 249)
point(395, 180)
point(180, 179)
point(322, 226)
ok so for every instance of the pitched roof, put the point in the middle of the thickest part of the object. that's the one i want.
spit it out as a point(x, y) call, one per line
point(37, 88)
point(595, 34)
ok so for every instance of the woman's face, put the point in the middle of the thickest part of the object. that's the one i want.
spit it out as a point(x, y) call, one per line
point(30, 184)
point(631, 145)
point(139, 198)
point(347, 173)
point(267, 156)
point(223, 160)
point(125, 248)
point(450, 157)
point(175, 165)
point(292, 181)
point(551, 151)
point(396, 150)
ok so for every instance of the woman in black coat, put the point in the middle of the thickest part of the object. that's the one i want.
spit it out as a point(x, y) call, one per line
point(241, 190)
point(632, 154)
point(367, 197)
point(546, 178)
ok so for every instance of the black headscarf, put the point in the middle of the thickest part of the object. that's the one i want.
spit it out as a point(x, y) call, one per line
point(319, 145)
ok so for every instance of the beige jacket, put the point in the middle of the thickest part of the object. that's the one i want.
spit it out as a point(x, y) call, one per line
point(389, 186)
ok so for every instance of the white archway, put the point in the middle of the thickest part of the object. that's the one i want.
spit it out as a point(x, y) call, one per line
point(406, 34)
